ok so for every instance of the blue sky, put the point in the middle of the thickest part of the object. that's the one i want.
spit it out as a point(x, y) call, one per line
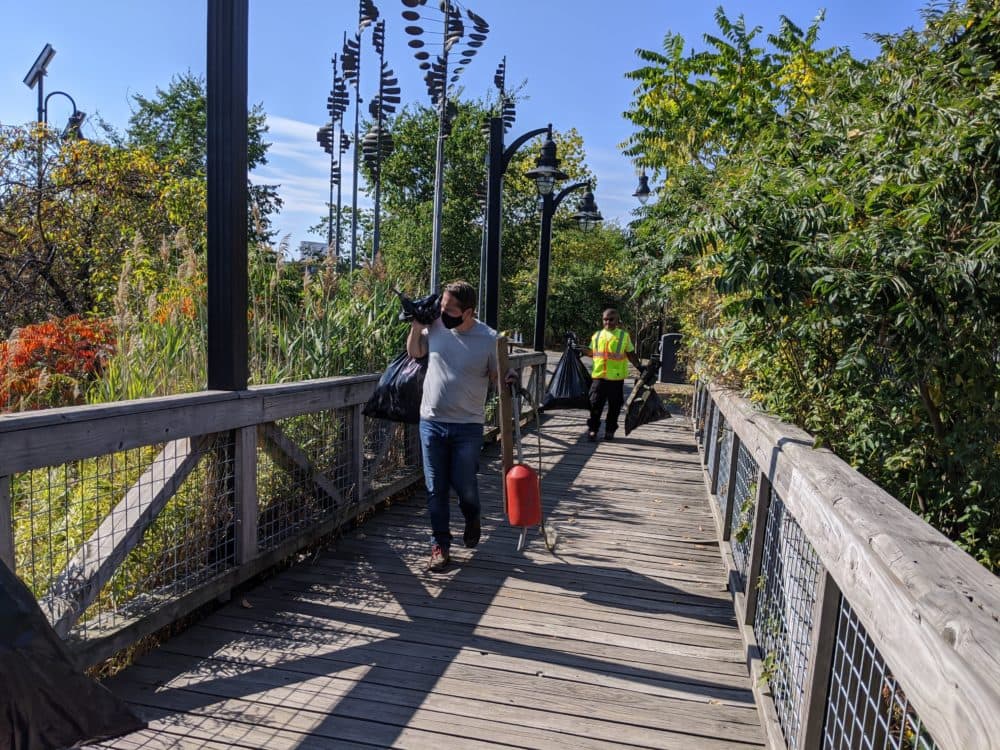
point(571, 56)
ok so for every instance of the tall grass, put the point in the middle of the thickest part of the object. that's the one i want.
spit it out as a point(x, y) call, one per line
point(304, 323)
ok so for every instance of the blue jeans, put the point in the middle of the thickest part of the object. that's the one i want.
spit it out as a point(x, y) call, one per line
point(451, 461)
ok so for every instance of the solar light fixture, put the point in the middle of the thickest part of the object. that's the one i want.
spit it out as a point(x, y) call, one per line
point(39, 67)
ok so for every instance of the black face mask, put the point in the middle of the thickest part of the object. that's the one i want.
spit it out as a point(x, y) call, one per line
point(451, 321)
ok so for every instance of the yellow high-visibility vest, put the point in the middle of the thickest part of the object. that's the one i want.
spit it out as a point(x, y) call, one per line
point(610, 349)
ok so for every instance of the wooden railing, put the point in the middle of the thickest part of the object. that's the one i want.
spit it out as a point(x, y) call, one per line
point(865, 627)
point(124, 518)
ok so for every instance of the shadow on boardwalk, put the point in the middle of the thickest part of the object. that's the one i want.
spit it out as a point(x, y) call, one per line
point(625, 637)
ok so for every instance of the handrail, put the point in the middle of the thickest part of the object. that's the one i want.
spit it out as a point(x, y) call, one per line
point(133, 459)
point(932, 612)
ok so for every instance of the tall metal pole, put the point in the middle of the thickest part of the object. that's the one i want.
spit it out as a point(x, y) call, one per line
point(439, 159)
point(226, 89)
point(378, 150)
point(333, 163)
point(542, 288)
point(494, 189)
point(549, 205)
point(498, 160)
point(340, 159)
point(357, 154)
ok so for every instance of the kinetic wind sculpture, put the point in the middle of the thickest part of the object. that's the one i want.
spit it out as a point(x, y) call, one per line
point(351, 57)
point(378, 143)
point(438, 80)
point(336, 105)
point(505, 102)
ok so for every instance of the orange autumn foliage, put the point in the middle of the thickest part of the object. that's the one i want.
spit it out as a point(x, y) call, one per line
point(46, 364)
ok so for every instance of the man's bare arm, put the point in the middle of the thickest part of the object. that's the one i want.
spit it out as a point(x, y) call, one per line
point(416, 341)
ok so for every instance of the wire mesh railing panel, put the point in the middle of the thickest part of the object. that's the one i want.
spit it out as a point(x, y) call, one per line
point(783, 622)
point(744, 500)
point(391, 452)
point(725, 457)
point(73, 521)
point(304, 474)
point(866, 709)
point(189, 542)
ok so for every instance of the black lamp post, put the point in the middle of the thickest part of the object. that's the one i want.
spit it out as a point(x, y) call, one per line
point(544, 174)
point(588, 216)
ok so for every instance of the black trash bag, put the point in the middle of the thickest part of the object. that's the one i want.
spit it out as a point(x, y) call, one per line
point(570, 384)
point(423, 310)
point(45, 703)
point(399, 390)
point(644, 404)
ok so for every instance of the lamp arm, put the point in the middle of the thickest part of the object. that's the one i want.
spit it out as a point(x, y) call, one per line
point(45, 104)
point(508, 153)
point(566, 191)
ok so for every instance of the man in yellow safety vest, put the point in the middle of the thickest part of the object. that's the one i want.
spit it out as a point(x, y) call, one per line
point(612, 350)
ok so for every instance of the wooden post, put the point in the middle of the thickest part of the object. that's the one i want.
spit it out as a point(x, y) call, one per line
point(709, 431)
point(412, 432)
point(357, 457)
point(6, 524)
point(717, 456)
point(734, 461)
point(226, 173)
point(826, 612)
point(245, 487)
point(761, 509)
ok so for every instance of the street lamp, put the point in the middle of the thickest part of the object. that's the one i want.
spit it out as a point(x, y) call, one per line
point(36, 77)
point(642, 192)
point(587, 216)
point(545, 174)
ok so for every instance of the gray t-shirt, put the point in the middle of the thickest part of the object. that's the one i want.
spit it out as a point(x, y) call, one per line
point(458, 373)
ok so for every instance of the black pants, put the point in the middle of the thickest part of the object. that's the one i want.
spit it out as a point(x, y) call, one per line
point(613, 393)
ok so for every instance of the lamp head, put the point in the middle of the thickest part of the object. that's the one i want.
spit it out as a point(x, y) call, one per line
point(642, 192)
point(75, 123)
point(546, 171)
point(588, 214)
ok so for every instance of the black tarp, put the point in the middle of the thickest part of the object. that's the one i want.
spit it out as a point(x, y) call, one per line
point(399, 390)
point(644, 404)
point(570, 384)
point(45, 702)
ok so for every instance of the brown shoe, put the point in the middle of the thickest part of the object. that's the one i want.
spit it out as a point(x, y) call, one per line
point(439, 558)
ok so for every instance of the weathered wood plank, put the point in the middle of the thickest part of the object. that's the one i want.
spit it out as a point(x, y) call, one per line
point(54, 436)
point(626, 638)
point(930, 608)
point(93, 565)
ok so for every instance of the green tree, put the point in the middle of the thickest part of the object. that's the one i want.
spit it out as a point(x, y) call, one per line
point(407, 201)
point(833, 245)
point(173, 126)
point(69, 210)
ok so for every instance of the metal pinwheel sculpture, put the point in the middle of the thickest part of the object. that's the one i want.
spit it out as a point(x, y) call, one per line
point(378, 144)
point(450, 16)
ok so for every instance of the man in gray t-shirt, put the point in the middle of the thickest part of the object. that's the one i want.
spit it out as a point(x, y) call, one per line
point(462, 362)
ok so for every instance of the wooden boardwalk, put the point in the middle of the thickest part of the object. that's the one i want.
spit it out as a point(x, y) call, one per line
point(625, 637)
